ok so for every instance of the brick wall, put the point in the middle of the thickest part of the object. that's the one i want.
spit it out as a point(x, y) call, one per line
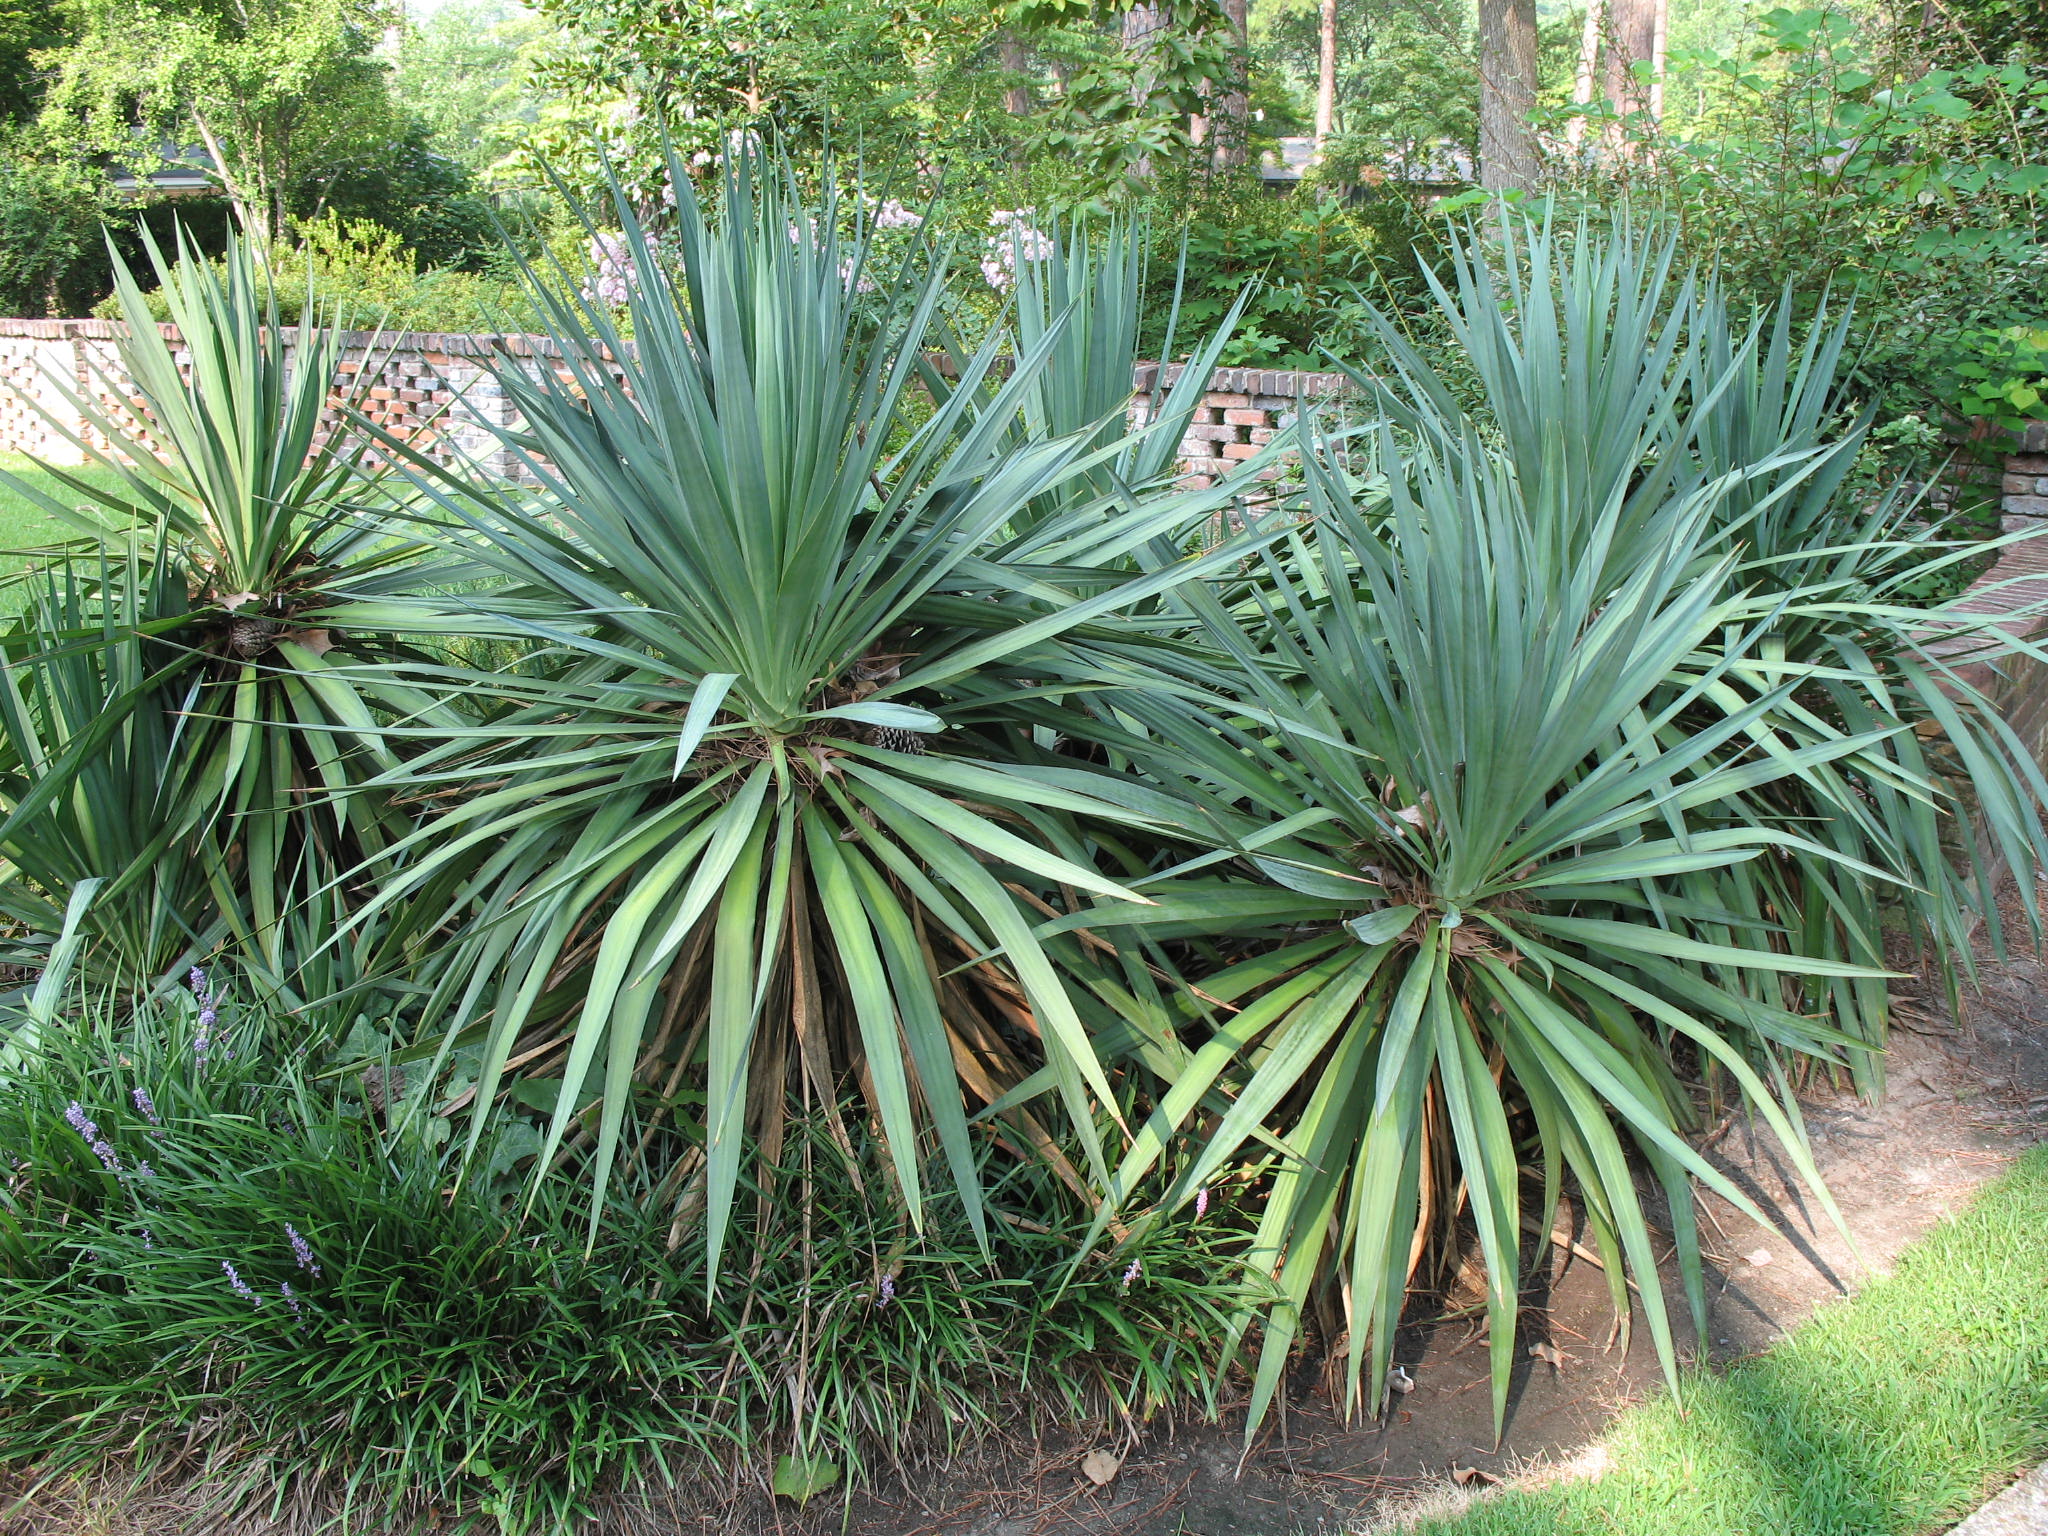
point(2025, 486)
point(433, 391)
point(1239, 415)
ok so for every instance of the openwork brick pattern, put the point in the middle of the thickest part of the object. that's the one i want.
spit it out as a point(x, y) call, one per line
point(1240, 414)
point(434, 392)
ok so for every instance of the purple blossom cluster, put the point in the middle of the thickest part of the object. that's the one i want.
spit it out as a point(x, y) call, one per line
point(302, 1251)
point(1016, 239)
point(887, 1293)
point(240, 1286)
point(613, 276)
point(89, 1133)
point(1131, 1274)
point(209, 1014)
point(146, 1106)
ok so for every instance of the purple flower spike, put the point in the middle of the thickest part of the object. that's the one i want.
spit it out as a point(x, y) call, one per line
point(78, 1120)
point(197, 981)
point(290, 1300)
point(240, 1286)
point(1131, 1274)
point(109, 1159)
point(302, 1250)
point(144, 1171)
point(888, 1291)
point(1201, 1202)
point(147, 1106)
point(148, 1239)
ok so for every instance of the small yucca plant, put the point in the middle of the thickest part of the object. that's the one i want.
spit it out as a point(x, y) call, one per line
point(227, 492)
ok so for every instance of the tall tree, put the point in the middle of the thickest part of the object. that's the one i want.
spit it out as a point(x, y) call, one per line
point(1326, 76)
point(1507, 94)
point(1635, 55)
point(280, 92)
point(1233, 105)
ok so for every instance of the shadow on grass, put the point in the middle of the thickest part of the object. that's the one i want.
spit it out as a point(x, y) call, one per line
point(1887, 1414)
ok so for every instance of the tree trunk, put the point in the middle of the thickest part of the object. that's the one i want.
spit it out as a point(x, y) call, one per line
point(1233, 109)
point(1635, 38)
point(1589, 67)
point(1507, 93)
point(1141, 22)
point(1016, 64)
point(1326, 77)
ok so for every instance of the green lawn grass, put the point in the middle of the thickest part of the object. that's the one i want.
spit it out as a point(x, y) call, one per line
point(1888, 1414)
point(24, 525)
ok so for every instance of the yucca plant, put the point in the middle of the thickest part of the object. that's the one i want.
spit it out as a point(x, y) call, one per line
point(1082, 300)
point(99, 814)
point(1604, 377)
point(1452, 741)
point(710, 848)
point(226, 486)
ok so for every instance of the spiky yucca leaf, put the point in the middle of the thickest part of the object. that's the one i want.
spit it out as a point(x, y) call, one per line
point(1605, 376)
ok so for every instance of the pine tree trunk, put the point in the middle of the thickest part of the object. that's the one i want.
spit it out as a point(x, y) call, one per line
point(1507, 93)
point(1635, 38)
point(1015, 64)
point(1141, 22)
point(1588, 68)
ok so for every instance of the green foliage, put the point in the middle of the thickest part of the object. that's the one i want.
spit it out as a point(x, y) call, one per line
point(245, 1246)
point(1302, 266)
point(463, 72)
point(2002, 377)
point(1131, 74)
point(26, 28)
point(369, 280)
point(1822, 158)
point(49, 229)
point(278, 93)
point(406, 185)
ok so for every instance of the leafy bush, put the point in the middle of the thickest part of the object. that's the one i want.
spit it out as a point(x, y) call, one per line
point(1827, 158)
point(369, 280)
point(1300, 266)
point(49, 233)
point(2001, 377)
point(215, 1264)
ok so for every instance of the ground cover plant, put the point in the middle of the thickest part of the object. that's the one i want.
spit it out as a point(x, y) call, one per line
point(230, 1271)
point(846, 782)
